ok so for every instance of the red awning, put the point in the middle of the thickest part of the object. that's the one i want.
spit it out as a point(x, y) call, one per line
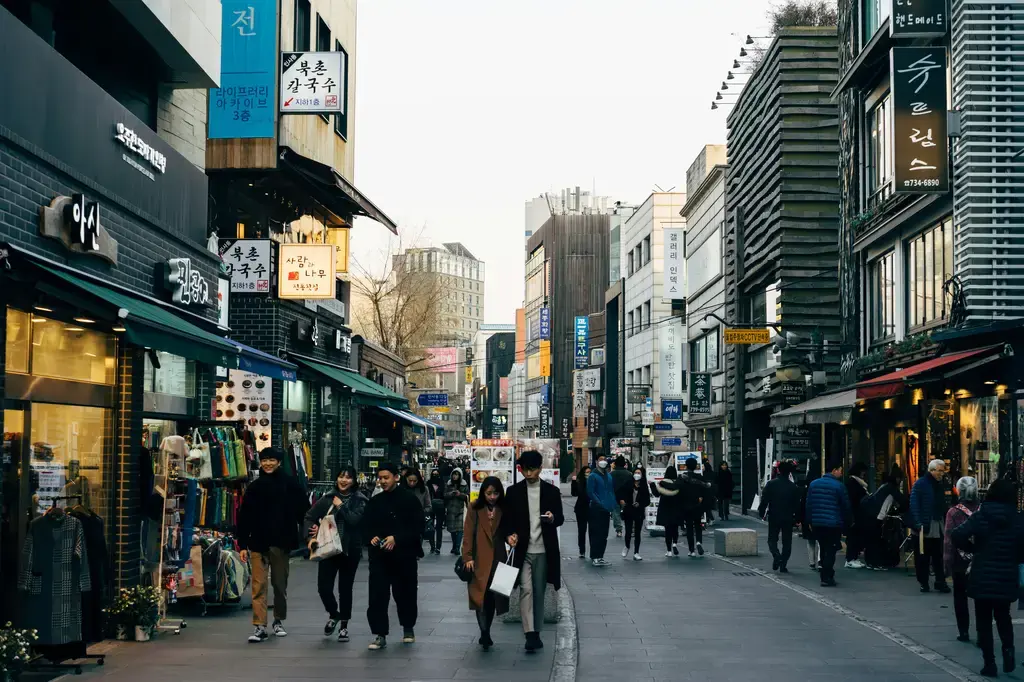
point(893, 383)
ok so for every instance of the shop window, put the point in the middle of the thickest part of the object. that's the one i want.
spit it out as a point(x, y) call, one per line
point(296, 396)
point(882, 293)
point(19, 333)
point(875, 14)
point(704, 352)
point(72, 352)
point(175, 376)
point(979, 439)
point(879, 152)
point(68, 447)
point(647, 315)
point(647, 249)
point(303, 17)
point(929, 266)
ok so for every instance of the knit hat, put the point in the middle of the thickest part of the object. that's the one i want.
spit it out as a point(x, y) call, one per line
point(272, 453)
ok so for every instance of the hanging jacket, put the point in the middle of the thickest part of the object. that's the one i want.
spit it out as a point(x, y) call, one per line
point(995, 535)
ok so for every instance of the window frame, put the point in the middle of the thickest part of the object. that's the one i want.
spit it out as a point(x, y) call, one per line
point(341, 118)
point(318, 23)
point(879, 162)
point(882, 299)
point(920, 258)
point(298, 44)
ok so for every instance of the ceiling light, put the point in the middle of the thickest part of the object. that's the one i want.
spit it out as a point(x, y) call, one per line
point(119, 328)
point(85, 320)
point(91, 355)
point(990, 383)
point(74, 329)
point(38, 320)
point(43, 309)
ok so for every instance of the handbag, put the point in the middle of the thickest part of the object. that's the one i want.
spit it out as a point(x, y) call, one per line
point(460, 566)
point(328, 539)
point(505, 576)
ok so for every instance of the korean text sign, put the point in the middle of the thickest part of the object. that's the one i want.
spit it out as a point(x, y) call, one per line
point(670, 347)
point(306, 271)
point(248, 264)
point(243, 105)
point(674, 280)
point(582, 342)
point(700, 393)
point(918, 18)
point(920, 142)
point(311, 82)
point(545, 324)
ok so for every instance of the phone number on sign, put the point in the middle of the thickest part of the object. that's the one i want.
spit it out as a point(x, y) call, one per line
point(929, 182)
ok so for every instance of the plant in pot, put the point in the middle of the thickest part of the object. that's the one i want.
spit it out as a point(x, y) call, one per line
point(135, 609)
point(15, 650)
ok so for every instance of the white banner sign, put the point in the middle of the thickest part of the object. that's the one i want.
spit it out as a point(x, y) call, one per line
point(674, 284)
point(248, 264)
point(579, 395)
point(312, 82)
point(306, 271)
point(670, 351)
point(591, 379)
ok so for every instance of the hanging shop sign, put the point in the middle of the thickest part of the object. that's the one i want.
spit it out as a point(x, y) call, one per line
point(338, 237)
point(637, 394)
point(311, 82)
point(223, 300)
point(247, 397)
point(306, 271)
point(306, 331)
point(545, 358)
point(594, 420)
point(187, 285)
point(248, 263)
point(918, 19)
point(545, 421)
point(138, 153)
point(243, 105)
point(671, 410)
point(545, 324)
point(673, 265)
point(372, 452)
point(920, 142)
point(745, 337)
point(565, 429)
point(670, 348)
point(342, 341)
point(700, 393)
point(469, 374)
point(591, 379)
point(579, 394)
point(582, 327)
point(75, 222)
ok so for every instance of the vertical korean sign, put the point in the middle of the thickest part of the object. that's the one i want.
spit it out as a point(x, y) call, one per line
point(582, 342)
point(700, 393)
point(243, 105)
point(670, 348)
point(545, 324)
point(918, 19)
point(674, 285)
point(920, 142)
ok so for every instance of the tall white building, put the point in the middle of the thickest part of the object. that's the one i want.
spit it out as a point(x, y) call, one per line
point(516, 400)
point(462, 290)
point(569, 201)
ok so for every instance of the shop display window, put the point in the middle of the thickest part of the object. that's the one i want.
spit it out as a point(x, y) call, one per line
point(58, 350)
point(19, 334)
point(68, 447)
point(979, 439)
point(296, 396)
point(175, 376)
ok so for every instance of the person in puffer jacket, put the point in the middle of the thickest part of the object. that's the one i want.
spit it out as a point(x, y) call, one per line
point(828, 512)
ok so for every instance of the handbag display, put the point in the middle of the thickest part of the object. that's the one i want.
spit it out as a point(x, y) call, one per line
point(328, 539)
point(505, 576)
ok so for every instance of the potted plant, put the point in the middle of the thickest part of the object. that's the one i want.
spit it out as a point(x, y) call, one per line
point(15, 650)
point(135, 609)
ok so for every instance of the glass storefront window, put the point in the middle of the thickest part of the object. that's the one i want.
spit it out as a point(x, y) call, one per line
point(18, 340)
point(296, 396)
point(176, 375)
point(72, 352)
point(979, 439)
point(68, 447)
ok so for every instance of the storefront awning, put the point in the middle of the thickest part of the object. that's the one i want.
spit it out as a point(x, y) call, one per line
point(832, 408)
point(364, 391)
point(265, 364)
point(893, 383)
point(413, 420)
point(146, 324)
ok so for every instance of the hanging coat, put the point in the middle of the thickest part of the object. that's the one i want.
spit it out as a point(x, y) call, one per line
point(54, 574)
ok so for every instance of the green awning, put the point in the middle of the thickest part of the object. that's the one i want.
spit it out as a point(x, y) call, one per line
point(364, 391)
point(147, 325)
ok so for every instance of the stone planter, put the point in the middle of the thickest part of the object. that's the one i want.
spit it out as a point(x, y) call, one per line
point(142, 634)
point(122, 633)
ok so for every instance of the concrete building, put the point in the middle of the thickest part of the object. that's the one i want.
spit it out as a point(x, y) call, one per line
point(462, 288)
point(569, 201)
point(704, 213)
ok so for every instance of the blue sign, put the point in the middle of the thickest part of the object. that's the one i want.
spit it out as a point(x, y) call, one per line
point(672, 442)
point(245, 103)
point(545, 324)
point(545, 393)
point(671, 410)
point(662, 426)
point(582, 342)
point(432, 400)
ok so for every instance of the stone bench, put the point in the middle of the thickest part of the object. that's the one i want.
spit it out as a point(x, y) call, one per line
point(735, 542)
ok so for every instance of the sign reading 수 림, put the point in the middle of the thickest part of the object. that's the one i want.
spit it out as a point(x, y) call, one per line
point(920, 141)
point(311, 82)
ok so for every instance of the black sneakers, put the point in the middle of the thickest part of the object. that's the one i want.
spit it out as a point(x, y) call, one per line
point(258, 635)
point(330, 627)
point(533, 642)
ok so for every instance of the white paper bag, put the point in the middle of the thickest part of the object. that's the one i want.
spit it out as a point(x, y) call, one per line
point(504, 579)
point(328, 539)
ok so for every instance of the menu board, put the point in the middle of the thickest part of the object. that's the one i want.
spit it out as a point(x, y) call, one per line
point(490, 457)
point(51, 484)
point(246, 396)
point(549, 451)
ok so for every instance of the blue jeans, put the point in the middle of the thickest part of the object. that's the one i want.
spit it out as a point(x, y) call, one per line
point(617, 519)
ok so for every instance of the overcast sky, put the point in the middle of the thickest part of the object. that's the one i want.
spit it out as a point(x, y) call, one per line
point(467, 108)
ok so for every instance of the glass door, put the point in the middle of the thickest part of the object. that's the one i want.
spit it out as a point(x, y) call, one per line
point(15, 509)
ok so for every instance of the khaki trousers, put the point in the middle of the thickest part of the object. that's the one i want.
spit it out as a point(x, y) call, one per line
point(533, 582)
point(274, 562)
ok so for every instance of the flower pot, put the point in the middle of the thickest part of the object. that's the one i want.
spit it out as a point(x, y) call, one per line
point(141, 633)
point(122, 633)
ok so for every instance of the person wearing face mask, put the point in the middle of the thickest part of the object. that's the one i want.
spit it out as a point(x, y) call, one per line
point(634, 498)
point(268, 530)
point(436, 487)
point(578, 488)
point(482, 550)
point(347, 505)
point(601, 491)
point(456, 497)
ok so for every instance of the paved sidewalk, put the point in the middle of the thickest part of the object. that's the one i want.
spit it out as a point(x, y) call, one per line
point(214, 647)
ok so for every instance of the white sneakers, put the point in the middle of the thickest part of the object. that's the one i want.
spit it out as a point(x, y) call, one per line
point(637, 557)
point(856, 563)
point(669, 554)
point(625, 551)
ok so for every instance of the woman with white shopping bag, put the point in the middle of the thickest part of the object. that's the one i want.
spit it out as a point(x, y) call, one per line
point(345, 504)
point(482, 552)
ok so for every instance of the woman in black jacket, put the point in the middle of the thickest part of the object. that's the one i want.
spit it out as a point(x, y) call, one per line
point(437, 515)
point(347, 505)
point(669, 509)
point(724, 484)
point(633, 499)
point(578, 488)
point(995, 536)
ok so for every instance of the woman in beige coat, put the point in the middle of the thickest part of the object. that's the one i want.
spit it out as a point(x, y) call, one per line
point(482, 550)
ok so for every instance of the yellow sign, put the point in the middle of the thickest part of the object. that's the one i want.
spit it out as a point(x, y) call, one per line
point(545, 358)
point(439, 410)
point(469, 375)
point(306, 271)
point(747, 337)
point(338, 236)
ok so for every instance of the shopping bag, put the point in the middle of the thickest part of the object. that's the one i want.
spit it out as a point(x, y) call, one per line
point(328, 539)
point(190, 577)
point(505, 575)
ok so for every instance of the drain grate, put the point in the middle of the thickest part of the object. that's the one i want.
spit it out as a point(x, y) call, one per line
point(746, 574)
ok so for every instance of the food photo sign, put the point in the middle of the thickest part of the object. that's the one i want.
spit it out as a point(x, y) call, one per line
point(490, 457)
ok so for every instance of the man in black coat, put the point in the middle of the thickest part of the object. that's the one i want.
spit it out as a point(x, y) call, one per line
point(781, 500)
point(529, 523)
point(392, 524)
point(268, 530)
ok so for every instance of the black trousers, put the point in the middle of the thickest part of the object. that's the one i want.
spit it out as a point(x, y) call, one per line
point(855, 541)
point(435, 540)
point(694, 530)
point(671, 536)
point(960, 605)
point(932, 557)
point(581, 529)
point(392, 576)
point(343, 568)
point(723, 507)
point(485, 616)
point(985, 610)
point(830, 541)
point(600, 519)
point(786, 530)
point(874, 543)
point(633, 530)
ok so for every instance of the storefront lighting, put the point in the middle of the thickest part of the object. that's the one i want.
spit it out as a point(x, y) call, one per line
point(990, 383)
point(39, 320)
point(91, 355)
point(918, 395)
point(84, 320)
point(887, 404)
point(119, 328)
point(43, 309)
point(74, 329)
point(947, 391)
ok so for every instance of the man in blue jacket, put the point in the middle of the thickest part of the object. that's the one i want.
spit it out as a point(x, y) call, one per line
point(601, 489)
point(927, 513)
point(828, 512)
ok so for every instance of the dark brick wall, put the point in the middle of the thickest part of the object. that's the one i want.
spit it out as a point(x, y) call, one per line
point(127, 445)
